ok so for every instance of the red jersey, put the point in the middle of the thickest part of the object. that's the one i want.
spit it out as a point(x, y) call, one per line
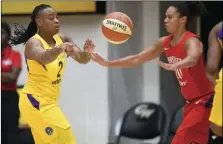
point(193, 81)
point(9, 59)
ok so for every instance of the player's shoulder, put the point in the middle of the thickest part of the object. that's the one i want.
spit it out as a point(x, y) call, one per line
point(192, 36)
point(163, 40)
point(193, 40)
point(33, 41)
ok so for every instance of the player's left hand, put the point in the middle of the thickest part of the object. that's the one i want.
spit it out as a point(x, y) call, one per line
point(89, 46)
point(167, 66)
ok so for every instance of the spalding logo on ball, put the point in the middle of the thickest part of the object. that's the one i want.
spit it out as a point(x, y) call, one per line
point(117, 27)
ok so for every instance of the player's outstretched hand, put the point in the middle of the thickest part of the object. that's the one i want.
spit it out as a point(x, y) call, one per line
point(166, 66)
point(100, 60)
point(89, 46)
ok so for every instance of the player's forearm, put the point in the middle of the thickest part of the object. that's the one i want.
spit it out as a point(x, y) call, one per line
point(50, 55)
point(186, 63)
point(213, 61)
point(126, 62)
point(84, 58)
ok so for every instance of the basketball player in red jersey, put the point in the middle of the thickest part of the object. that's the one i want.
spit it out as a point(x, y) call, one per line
point(183, 50)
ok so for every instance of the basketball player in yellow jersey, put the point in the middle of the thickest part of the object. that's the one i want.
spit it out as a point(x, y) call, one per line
point(214, 57)
point(45, 53)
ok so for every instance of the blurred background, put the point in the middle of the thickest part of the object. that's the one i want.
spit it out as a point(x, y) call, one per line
point(93, 97)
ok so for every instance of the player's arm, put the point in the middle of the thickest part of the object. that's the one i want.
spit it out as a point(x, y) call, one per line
point(84, 57)
point(214, 53)
point(134, 60)
point(35, 51)
point(194, 49)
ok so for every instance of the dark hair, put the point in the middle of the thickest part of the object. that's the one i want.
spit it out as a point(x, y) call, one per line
point(190, 9)
point(22, 35)
point(7, 28)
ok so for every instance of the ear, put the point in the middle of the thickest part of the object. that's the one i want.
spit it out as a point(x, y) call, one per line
point(183, 19)
point(39, 22)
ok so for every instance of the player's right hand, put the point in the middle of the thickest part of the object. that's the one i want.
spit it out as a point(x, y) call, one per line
point(71, 50)
point(64, 47)
point(100, 60)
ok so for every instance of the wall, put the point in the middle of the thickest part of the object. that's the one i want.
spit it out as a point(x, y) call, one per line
point(84, 91)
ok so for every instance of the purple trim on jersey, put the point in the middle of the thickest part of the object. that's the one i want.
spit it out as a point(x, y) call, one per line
point(220, 33)
point(33, 101)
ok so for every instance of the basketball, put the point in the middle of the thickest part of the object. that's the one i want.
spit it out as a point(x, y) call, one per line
point(117, 27)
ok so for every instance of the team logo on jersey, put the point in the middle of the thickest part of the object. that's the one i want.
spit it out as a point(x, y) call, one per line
point(7, 62)
point(49, 130)
point(166, 48)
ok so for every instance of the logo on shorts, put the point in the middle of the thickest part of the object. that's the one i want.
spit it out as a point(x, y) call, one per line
point(49, 130)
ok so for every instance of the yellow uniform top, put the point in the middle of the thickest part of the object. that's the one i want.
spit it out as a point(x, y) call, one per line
point(44, 80)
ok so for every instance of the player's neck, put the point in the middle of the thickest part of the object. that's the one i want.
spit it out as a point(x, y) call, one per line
point(178, 35)
point(48, 38)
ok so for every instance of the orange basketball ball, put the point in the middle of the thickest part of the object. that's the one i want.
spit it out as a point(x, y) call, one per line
point(117, 27)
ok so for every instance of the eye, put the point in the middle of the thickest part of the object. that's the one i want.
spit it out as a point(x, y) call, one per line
point(51, 17)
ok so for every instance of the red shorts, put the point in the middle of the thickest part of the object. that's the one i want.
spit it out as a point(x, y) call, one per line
point(194, 128)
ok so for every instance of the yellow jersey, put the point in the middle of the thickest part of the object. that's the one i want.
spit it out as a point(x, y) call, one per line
point(44, 80)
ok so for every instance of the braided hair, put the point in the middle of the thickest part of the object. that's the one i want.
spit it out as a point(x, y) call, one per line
point(190, 9)
point(22, 35)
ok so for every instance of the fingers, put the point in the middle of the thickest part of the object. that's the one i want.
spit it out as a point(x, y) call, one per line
point(89, 45)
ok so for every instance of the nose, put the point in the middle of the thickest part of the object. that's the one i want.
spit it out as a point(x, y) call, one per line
point(165, 20)
point(56, 20)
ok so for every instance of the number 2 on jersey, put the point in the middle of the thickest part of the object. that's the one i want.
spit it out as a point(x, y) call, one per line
point(61, 66)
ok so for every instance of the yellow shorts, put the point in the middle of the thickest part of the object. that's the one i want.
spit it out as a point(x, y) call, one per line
point(216, 112)
point(47, 122)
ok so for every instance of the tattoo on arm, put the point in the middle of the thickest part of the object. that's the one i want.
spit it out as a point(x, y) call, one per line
point(85, 58)
point(35, 51)
point(50, 55)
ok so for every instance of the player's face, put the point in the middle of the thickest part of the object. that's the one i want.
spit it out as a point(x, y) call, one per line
point(172, 20)
point(48, 21)
point(4, 36)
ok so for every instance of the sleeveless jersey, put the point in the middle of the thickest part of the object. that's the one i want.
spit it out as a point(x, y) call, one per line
point(44, 80)
point(193, 81)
